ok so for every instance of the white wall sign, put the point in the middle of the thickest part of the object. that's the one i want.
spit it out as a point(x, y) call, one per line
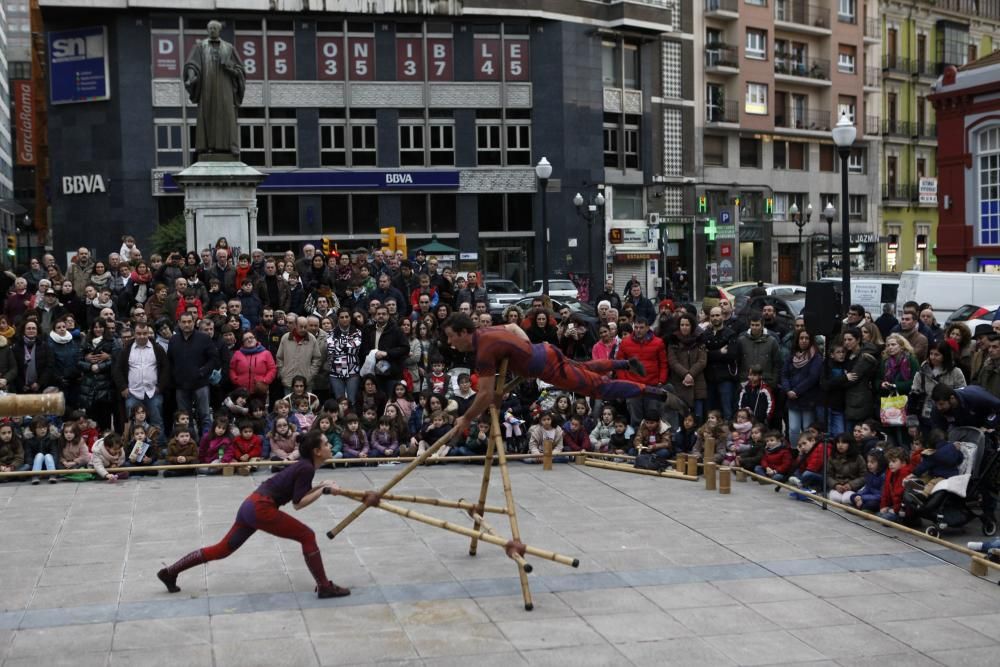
point(83, 184)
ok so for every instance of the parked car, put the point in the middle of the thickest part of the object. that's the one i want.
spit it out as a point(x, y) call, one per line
point(503, 292)
point(947, 291)
point(558, 288)
point(787, 307)
point(714, 294)
point(972, 315)
point(585, 310)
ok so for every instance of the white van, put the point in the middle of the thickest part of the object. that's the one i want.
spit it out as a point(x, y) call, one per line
point(947, 291)
point(870, 290)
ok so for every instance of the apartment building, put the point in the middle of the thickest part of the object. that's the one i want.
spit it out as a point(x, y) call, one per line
point(919, 40)
point(777, 77)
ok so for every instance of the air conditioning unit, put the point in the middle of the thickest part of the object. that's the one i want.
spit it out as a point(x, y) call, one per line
point(653, 219)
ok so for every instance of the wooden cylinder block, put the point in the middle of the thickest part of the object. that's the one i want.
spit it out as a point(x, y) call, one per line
point(710, 476)
point(978, 567)
point(692, 466)
point(725, 480)
point(27, 405)
point(708, 454)
point(741, 474)
point(547, 455)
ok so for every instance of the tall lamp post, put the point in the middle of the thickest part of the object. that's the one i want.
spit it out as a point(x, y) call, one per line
point(843, 136)
point(595, 211)
point(799, 223)
point(543, 170)
point(829, 213)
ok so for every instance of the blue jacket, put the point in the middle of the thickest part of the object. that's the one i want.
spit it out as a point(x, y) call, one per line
point(943, 461)
point(803, 381)
point(871, 492)
point(975, 405)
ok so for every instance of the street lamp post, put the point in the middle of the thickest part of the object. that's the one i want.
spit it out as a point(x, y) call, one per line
point(595, 211)
point(829, 213)
point(543, 170)
point(843, 136)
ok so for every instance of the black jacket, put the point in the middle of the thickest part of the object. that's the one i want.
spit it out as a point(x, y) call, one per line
point(43, 363)
point(720, 367)
point(191, 360)
point(393, 342)
point(120, 370)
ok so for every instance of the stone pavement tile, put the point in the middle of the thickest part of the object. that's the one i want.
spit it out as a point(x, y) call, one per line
point(531, 634)
point(729, 571)
point(163, 608)
point(359, 620)
point(499, 587)
point(849, 641)
point(491, 660)
point(934, 634)
point(99, 555)
point(608, 601)
point(802, 613)
point(227, 582)
point(511, 607)
point(987, 624)
point(982, 599)
point(637, 627)
point(457, 639)
point(243, 627)
point(422, 591)
point(584, 581)
point(116, 537)
point(660, 577)
point(44, 618)
point(177, 655)
point(801, 566)
point(836, 585)
point(167, 632)
point(763, 590)
point(711, 554)
point(908, 659)
point(868, 563)
point(966, 657)
point(884, 607)
point(683, 596)
point(439, 612)
point(17, 598)
point(629, 559)
point(350, 646)
point(704, 621)
point(276, 650)
point(907, 579)
point(600, 655)
point(74, 659)
point(71, 640)
point(70, 575)
point(763, 648)
point(773, 550)
point(6, 637)
point(688, 651)
point(76, 594)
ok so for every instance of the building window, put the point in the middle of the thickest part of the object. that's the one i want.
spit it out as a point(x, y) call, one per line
point(846, 10)
point(756, 47)
point(759, 3)
point(252, 149)
point(610, 72)
point(630, 65)
point(333, 144)
point(846, 105)
point(630, 135)
point(488, 150)
point(989, 186)
point(856, 161)
point(442, 144)
point(411, 144)
point(790, 155)
point(856, 207)
point(611, 155)
point(750, 152)
point(169, 148)
point(756, 101)
point(620, 64)
point(283, 142)
point(715, 151)
point(953, 43)
point(846, 58)
point(363, 145)
point(519, 144)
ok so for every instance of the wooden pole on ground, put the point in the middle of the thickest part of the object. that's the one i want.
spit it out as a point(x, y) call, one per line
point(708, 451)
point(624, 467)
point(424, 500)
point(692, 466)
point(491, 451)
point(725, 480)
point(710, 476)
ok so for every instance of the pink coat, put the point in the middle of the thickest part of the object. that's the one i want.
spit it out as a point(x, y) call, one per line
point(248, 367)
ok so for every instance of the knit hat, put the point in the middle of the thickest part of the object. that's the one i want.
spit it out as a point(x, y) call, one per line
point(667, 303)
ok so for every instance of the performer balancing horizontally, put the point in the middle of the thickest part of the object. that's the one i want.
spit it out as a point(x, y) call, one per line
point(260, 512)
point(546, 362)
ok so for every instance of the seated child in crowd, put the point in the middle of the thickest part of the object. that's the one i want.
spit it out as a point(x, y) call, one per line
point(618, 444)
point(284, 443)
point(653, 435)
point(434, 430)
point(383, 442)
point(845, 470)
point(355, 440)
point(73, 450)
point(575, 437)
point(754, 449)
point(214, 444)
point(464, 397)
point(11, 449)
point(544, 434)
point(937, 463)
point(108, 453)
point(143, 450)
point(247, 446)
point(807, 472)
point(892, 489)
point(728, 451)
point(303, 417)
point(476, 443)
point(600, 435)
point(41, 449)
point(869, 496)
point(182, 450)
point(778, 459)
point(685, 438)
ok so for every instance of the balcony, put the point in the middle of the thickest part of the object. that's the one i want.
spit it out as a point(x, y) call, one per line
point(901, 192)
point(722, 59)
point(873, 76)
point(873, 30)
point(895, 64)
point(800, 17)
point(812, 120)
point(726, 10)
point(923, 131)
point(872, 126)
point(727, 111)
point(923, 69)
point(807, 71)
point(895, 128)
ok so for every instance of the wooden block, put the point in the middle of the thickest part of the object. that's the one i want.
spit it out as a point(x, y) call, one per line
point(741, 474)
point(547, 455)
point(708, 451)
point(978, 567)
point(710, 476)
point(692, 466)
point(227, 471)
point(725, 480)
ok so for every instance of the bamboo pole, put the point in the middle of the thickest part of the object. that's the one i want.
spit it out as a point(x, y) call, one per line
point(481, 535)
point(725, 480)
point(547, 446)
point(491, 446)
point(425, 500)
point(692, 467)
point(708, 451)
point(710, 476)
point(515, 531)
point(622, 467)
point(27, 405)
point(513, 555)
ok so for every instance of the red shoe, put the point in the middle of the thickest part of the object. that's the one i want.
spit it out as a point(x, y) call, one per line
point(331, 590)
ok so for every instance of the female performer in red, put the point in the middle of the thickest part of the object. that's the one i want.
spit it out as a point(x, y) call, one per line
point(260, 512)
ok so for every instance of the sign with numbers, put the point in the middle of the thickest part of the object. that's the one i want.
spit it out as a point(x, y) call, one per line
point(516, 59)
point(361, 58)
point(409, 59)
point(487, 58)
point(440, 59)
point(330, 57)
point(281, 57)
point(167, 57)
point(251, 51)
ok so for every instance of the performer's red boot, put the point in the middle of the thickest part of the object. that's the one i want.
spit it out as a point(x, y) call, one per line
point(324, 587)
point(168, 575)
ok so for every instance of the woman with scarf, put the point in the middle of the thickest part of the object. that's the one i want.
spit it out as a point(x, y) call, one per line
point(800, 380)
point(940, 368)
point(541, 329)
point(139, 288)
point(17, 301)
point(96, 390)
point(101, 277)
point(34, 361)
point(687, 359)
point(65, 352)
point(899, 369)
point(72, 303)
point(317, 276)
point(34, 274)
point(252, 367)
point(343, 357)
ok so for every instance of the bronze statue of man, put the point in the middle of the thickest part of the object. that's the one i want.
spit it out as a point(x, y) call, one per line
point(214, 80)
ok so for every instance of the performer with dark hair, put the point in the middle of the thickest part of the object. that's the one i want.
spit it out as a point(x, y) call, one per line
point(491, 345)
point(260, 512)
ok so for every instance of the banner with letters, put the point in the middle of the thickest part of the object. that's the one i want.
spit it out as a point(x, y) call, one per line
point(24, 105)
point(78, 65)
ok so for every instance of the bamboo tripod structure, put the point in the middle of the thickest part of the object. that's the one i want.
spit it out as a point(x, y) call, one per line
point(481, 531)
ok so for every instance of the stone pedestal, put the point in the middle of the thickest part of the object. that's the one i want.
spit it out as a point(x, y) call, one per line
point(220, 199)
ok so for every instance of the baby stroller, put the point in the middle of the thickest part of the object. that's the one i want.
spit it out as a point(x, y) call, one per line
point(971, 494)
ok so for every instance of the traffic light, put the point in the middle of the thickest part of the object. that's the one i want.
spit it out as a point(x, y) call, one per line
point(401, 245)
point(388, 238)
point(736, 202)
point(702, 204)
point(327, 246)
point(12, 244)
point(769, 205)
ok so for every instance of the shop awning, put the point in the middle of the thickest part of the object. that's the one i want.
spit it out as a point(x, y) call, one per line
point(12, 206)
point(437, 247)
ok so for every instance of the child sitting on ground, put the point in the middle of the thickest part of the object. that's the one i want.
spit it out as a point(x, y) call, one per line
point(109, 453)
point(303, 417)
point(871, 436)
point(73, 451)
point(544, 434)
point(434, 430)
point(807, 472)
point(354, 439)
point(618, 443)
point(727, 451)
point(575, 437)
point(383, 440)
point(214, 444)
point(143, 450)
point(247, 446)
point(685, 438)
point(869, 496)
point(892, 489)
point(41, 449)
point(284, 443)
point(182, 450)
point(754, 449)
point(846, 470)
point(653, 436)
point(938, 462)
point(476, 443)
point(778, 460)
point(600, 436)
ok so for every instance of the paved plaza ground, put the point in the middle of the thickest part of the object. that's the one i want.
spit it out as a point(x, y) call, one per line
point(669, 574)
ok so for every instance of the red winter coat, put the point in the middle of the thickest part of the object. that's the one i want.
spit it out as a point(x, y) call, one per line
point(651, 352)
point(813, 461)
point(248, 367)
point(780, 460)
point(892, 489)
point(253, 448)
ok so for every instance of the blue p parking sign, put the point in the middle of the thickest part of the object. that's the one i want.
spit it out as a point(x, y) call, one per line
point(724, 218)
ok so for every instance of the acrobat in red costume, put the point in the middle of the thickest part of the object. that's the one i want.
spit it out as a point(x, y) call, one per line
point(260, 512)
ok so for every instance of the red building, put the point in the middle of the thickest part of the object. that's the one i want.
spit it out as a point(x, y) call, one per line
point(967, 103)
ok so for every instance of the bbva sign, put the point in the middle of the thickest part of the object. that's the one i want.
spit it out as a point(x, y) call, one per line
point(83, 184)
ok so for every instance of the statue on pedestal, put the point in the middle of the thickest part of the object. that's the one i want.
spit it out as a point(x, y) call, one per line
point(214, 80)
